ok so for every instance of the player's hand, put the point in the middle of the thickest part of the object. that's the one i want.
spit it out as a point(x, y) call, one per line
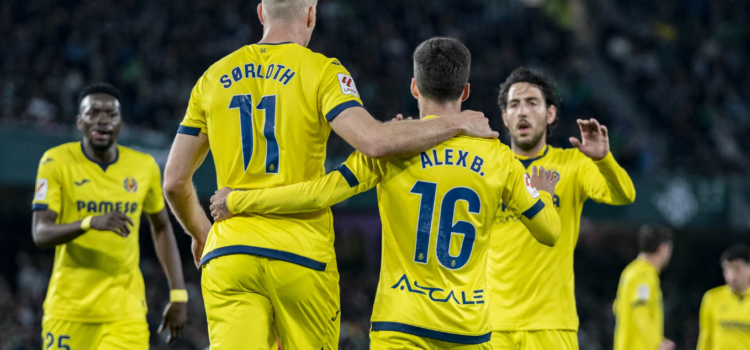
point(197, 248)
point(400, 117)
point(595, 139)
point(115, 221)
point(667, 344)
point(543, 180)
point(175, 317)
point(219, 209)
point(475, 124)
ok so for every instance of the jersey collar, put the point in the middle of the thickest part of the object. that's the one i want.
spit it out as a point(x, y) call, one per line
point(526, 161)
point(104, 166)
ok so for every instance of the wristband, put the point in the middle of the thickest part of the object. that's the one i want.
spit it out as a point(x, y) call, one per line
point(178, 296)
point(86, 223)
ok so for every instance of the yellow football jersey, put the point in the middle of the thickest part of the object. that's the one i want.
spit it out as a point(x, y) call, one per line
point(96, 277)
point(266, 109)
point(437, 210)
point(532, 285)
point(725, 320)
point(638, 308)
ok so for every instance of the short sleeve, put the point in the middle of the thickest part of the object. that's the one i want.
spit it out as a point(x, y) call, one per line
point(49, 181)
point(195, 117)
point(337, 91)
point(519, 195)
point(361, 170)
point(154, 201)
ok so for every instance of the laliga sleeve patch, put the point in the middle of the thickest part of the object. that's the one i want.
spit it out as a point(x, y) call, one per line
point(347, 85)
point(643, 292)
point(41, 190)
point(529, 186)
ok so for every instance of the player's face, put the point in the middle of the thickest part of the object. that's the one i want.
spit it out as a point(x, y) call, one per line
point(526, 115)
point(736, 274)
point(100, 120)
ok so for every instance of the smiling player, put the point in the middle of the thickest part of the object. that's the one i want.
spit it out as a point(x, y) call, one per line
point(89, 199)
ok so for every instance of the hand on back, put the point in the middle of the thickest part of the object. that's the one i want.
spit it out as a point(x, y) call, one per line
point(115, 221)
point(543, 180)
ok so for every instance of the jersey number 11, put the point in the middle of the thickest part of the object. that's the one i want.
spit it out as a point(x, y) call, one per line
point(267, 104)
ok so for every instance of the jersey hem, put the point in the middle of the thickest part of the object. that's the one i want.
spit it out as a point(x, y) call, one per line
point(536, 326)
point(429, 333)
point(91, 319)
point(265, 252)
point(335, 111)
point(188, 130)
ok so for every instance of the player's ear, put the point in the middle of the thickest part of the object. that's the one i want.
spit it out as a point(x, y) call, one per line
point(505, 118)
point(311, 17)
point(551, 114)
point(414, 89)
point(79, 122)
point(465, 95)
point(260, 13)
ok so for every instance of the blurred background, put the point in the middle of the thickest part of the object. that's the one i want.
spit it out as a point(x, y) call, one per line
point(669, 78)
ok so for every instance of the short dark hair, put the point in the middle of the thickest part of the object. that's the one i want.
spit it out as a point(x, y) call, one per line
point(441, 68)
point(650, 237)
point(99, 88)
point(736, 252)
point(530, 76)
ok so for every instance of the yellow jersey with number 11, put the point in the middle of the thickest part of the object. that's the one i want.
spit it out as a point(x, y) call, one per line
point(96, 277)
point(266, 109)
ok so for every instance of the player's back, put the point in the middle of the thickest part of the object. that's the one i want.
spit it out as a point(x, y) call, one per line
point(265, 109)
point(437, 210)
point(638, 290)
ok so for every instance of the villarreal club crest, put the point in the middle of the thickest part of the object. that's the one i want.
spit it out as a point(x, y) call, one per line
point(130, 185)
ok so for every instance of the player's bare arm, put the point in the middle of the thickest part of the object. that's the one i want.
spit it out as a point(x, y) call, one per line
point(175, 314)
point(48, 233)
point(187, 154)
point(376, 139)
point(594, 141)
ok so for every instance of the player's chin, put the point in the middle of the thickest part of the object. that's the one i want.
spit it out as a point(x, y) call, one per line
point(101, 144)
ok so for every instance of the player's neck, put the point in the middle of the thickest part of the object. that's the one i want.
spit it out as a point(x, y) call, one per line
point(531, 152)
point(105, 156)
point(427, 107)
point(274, 33)
point(743, 290)
point(653, 260)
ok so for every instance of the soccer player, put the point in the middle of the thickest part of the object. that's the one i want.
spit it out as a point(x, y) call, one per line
point(638, 308)
point(88, 204)
point(437, 209)
point(532, 286)
point(265, 111)
point(725, 310)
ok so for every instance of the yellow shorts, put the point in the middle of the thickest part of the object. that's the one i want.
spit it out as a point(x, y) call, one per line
point(250, 300)
point(390, 340)
point(70, 335)
point(535, 340)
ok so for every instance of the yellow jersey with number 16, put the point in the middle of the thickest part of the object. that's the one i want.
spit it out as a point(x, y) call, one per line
point(96, 277)
point(266, 109)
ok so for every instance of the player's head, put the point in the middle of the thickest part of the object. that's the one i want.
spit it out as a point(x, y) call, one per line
point(441, 71)
point(656, 241)
point(529, 104)
point(295, 15)
point(99, 115)
point(735, 263)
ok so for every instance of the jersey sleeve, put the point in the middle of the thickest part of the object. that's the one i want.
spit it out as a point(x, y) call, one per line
point(195, 117)
point(358, 174)
point(154, 201)
point(706, 323)
point(49, 182)
point(337, 91)
point(605, 181)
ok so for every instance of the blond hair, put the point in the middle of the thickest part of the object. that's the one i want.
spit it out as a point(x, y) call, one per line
point(286, 10)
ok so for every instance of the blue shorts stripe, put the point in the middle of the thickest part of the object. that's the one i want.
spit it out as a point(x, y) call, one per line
point(268, 253)
point(188, 130)
point(348, 175)
point(39, 206)
point(340, 108)
point(428, 333)
point(535, 209)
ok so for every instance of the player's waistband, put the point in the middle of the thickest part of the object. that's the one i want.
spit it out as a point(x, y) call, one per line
point(265, 252)
point(429, 333)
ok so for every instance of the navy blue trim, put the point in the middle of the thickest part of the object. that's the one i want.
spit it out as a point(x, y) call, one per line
point(104, 166)
point(39, 206)
point(188, 130)
point(428, 333)
point(348, 175)
point(282, 43)
point(268, 253)
point(340, 108)
point(535, 209)
point(527, 162)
